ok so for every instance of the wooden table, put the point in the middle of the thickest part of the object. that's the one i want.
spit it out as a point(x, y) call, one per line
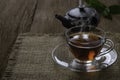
point(37, 17)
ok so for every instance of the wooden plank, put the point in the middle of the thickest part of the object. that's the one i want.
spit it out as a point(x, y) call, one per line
point(44, 21)
point(15, 16)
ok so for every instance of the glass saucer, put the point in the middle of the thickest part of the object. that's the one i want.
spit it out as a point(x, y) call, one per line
point(62, 56)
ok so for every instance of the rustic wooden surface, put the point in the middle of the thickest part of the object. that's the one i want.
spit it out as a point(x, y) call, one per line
point(15, 16)
point(37, 16)
point(44, 21)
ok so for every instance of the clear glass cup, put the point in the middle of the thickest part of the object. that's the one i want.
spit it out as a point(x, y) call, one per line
point(85, 50)
point(85, 45)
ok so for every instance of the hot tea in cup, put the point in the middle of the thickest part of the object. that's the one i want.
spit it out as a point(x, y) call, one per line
point(86, 45)
point(86, 50)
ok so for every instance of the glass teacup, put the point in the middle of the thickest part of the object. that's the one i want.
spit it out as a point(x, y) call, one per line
point(86, 45)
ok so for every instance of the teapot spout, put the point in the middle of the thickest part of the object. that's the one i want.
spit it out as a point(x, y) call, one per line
point(60, 18)
point(66, 22)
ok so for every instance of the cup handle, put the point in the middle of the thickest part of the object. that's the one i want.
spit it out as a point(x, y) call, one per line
point(109, 43)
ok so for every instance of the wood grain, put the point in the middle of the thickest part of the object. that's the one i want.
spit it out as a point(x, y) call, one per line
point(45, 22)
point(37, 16)
point(15, 17)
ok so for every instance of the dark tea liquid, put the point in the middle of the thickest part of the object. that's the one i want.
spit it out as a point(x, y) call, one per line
point(85, 46)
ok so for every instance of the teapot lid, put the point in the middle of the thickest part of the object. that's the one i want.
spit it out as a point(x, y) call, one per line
point(80, 12)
